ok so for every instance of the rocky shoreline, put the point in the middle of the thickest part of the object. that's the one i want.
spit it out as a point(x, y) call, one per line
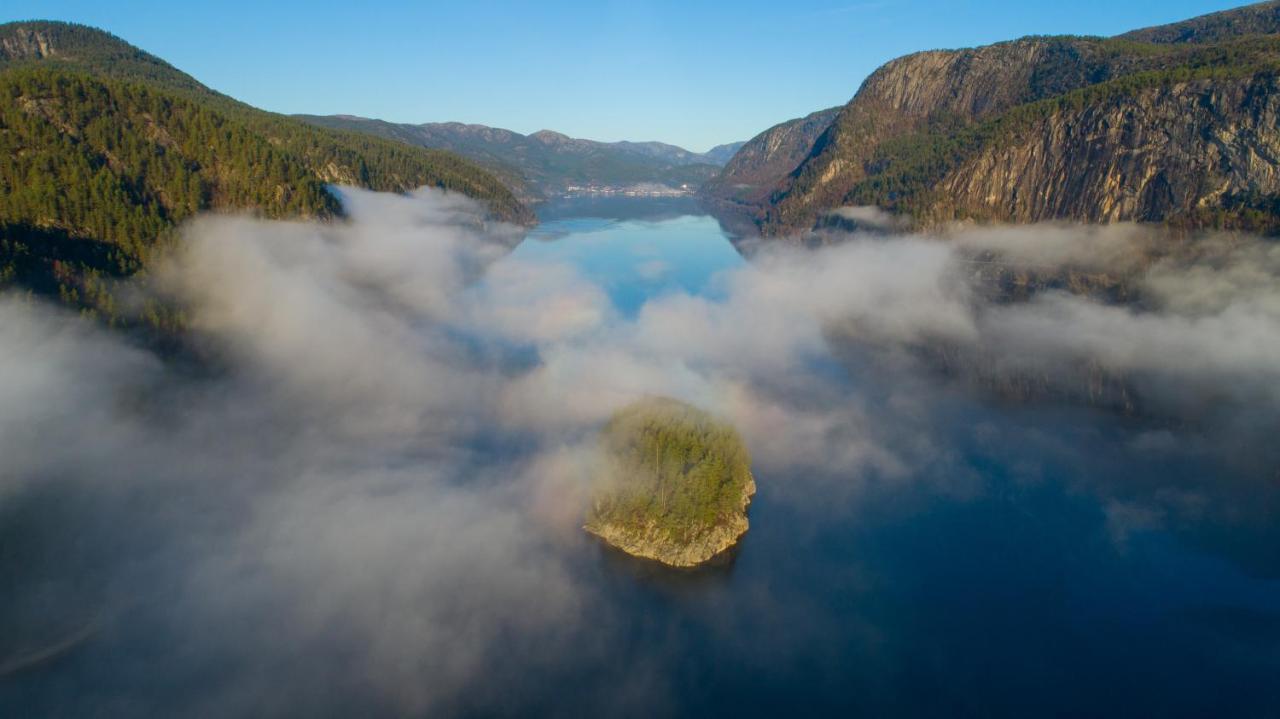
point(657, 545)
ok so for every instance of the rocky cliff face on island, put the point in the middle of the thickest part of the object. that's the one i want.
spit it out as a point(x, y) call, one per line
point(652, 541)
point(1172, 125)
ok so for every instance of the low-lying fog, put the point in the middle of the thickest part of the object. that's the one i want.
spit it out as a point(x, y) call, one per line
point(367, 501)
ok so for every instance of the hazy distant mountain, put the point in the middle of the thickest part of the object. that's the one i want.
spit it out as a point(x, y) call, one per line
point(105, 148)
point(545, 163)
point(662, 151)
point(1172, 124)
point(720, 154)
point(763, 161)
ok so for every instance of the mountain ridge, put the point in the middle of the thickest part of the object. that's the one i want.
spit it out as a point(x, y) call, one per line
point(547, 163)
point(1258, 19)
point(998, 133)
point(105, 149)
point(764, 160)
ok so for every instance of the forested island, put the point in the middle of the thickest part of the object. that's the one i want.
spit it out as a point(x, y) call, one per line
point(674, 484)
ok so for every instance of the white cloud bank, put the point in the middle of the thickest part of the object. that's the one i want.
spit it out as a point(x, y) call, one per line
point(376, 493)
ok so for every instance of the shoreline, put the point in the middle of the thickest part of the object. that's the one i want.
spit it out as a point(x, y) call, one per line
point(721, 539)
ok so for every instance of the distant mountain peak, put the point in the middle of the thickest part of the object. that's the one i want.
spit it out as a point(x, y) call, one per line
point(551, 137)
point(549, 163)
point(721, 154)
point(754, 167)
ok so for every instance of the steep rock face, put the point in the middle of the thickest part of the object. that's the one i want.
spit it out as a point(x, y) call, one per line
point(977, 82)
point(1159, 153)
point(764, 160)
point(27, 43)
point(933, 92)
point(1178, 130)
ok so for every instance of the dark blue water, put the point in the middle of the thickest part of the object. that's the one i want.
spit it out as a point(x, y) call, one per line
point(1011, 600)
point(1049, 568)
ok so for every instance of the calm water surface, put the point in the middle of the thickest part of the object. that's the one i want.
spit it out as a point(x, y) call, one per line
point(636, 255)
point(1039, 573)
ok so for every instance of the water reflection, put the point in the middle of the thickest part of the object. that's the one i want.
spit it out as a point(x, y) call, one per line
point(718, 572)
point(634, 248)
point(619, 208)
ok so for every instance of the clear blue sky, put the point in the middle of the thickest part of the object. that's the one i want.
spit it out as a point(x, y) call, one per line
point(682, 71)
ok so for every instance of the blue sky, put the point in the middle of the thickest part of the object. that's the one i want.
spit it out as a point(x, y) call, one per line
point(687, 72)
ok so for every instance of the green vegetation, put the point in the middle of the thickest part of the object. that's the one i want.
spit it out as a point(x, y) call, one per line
point(670, 466)
point(104, 149)
point(1257, 19)
point(70, 45)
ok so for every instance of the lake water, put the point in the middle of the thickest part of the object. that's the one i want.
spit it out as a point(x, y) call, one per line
point(1052, 581)
point(637, 255)
point(1045, 561)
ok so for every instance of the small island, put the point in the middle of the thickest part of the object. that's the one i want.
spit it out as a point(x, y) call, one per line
point(674, 484)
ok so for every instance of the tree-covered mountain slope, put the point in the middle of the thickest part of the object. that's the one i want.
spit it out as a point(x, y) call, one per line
point(104, 149)
point(546, 164)
point(1056, 128)
point(1258, 19)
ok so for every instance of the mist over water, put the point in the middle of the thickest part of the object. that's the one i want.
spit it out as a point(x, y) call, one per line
point(370, 502)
